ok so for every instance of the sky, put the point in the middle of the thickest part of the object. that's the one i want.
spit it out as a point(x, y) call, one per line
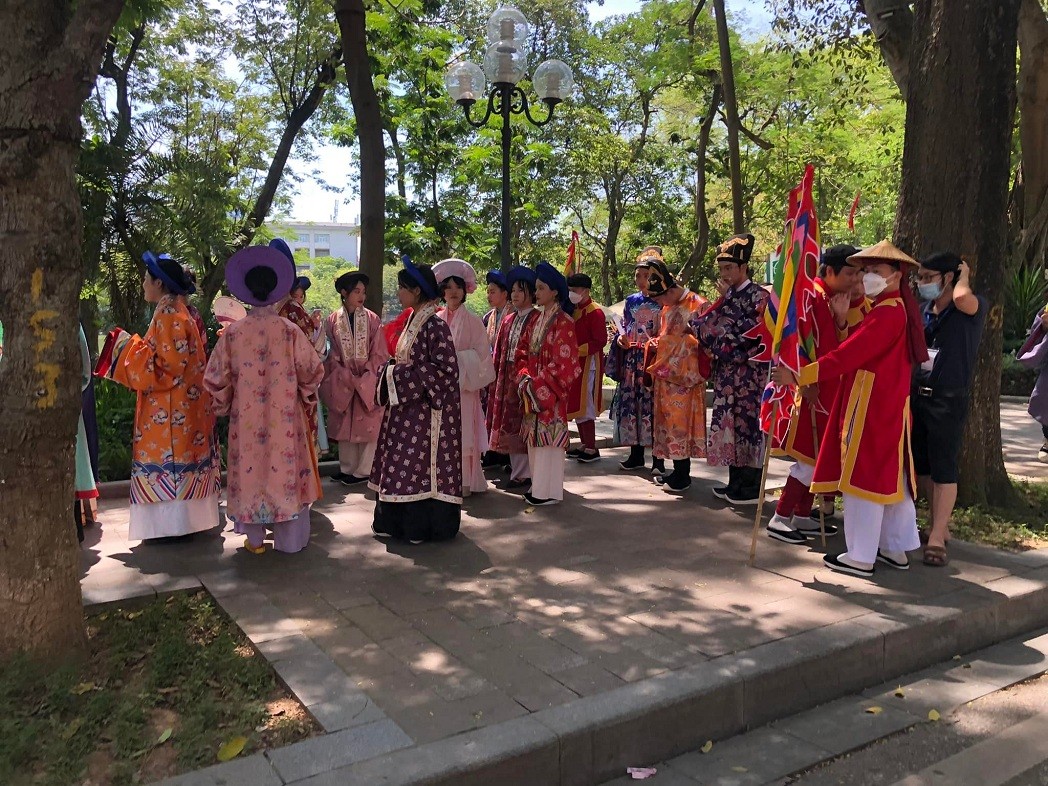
point(314, 203)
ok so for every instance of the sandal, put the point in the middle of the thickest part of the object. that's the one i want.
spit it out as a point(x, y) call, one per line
point(935, 556)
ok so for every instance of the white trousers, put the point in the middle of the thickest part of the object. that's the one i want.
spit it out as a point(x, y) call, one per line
point(802, 472)
point(547, 472)
point(518, 466)
point(869, 526)
point(589, 387)
point(355, 458)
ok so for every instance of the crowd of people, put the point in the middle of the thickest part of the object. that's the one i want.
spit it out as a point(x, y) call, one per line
point(421, 408)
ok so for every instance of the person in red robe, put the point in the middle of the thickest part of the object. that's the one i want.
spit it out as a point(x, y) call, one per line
point(865, 451)
point(544, 382)
point(794, 522)
point(586, 401)
point(505, 412)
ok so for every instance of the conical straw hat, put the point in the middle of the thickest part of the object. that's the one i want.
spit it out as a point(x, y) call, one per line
point(882, 252)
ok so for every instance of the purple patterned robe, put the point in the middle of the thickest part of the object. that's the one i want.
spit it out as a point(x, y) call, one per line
point(419, 453)
point(735, 438)
point(631, 408)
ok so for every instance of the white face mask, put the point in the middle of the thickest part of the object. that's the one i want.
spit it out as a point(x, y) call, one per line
point(874, 284)
point(575, 297)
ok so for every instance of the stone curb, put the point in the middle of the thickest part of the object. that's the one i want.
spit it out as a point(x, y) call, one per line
point(595, 738)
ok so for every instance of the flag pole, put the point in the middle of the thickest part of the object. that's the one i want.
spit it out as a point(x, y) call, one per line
point(815, 444)
point(768, 438)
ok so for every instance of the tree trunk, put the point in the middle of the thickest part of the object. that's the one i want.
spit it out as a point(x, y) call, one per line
point(894, 31)
point(49, 57)
point(1033, 132)
point(954, 190)
point(732, 118)
point(351, 21)
point(702, 221)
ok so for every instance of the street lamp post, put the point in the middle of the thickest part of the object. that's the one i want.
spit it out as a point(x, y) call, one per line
point(505, 61)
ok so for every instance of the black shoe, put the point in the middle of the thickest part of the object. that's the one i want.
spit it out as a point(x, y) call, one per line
point(574, 453)
point(658, 466)
point(675, 482)
point(790, 536)
point(379, 534)
point(635, 460)
point(337, 477)
point(751, 496)
point(833, 562)
point(721, 492)
point(494, 459)
point(352, 480)
point(815, 532)
point(516, 484)
point(536, 502)
point(585, 457)
point(882, 557)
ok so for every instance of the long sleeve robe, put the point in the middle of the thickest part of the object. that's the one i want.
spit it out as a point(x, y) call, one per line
point(357, 354)
point(546, 379)
point(264, 375)
point(505, 413)
point(633, 403)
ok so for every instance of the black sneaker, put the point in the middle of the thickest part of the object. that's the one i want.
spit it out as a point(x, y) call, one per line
point(882, 557)
point(743, 497)
point(675, 482)
point(337, 477)
point(536, 502)
point(352, 480)
point(815, 532)
point(833, 562)
point(574, 453)
point(790, 536)
point(585, 457)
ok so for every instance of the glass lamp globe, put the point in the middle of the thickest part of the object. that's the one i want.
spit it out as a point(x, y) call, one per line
point(505, 62)
point(464, 82)
point(509, 24)
point(553, 81)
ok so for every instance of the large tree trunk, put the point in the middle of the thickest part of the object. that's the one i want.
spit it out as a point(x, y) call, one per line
point(731, 116)
point(954, 190)
point(351, 22)
point(892, 25)
point(1033, 132)
point(49, 57)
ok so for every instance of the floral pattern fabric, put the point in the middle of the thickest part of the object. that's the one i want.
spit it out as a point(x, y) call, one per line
point(735, 438)
point(505, 411)
point(634, 401)
point(419, 453)
point(546, 378)
point(264, 375)
point(172, 457)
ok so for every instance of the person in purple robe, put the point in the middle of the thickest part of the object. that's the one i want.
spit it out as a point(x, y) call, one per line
point(417, 471)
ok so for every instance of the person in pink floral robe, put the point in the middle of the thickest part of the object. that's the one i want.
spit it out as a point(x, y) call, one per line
point(264, 375)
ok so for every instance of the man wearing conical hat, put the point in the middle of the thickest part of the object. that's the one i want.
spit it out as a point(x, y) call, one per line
point(735, 438)
point(865, 451)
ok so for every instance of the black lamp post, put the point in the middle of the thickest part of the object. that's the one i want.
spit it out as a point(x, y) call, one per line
point(505, 62)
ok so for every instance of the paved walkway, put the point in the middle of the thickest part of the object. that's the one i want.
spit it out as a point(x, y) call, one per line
point(527, 611)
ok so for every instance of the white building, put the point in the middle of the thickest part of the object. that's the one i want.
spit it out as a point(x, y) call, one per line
point(320, 238)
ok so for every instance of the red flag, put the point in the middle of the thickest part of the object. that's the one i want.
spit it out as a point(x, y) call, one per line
point(569, 264)
point(851, 213)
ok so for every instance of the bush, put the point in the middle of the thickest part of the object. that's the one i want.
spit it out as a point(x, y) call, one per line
point(1016, 380)
point(115, 411)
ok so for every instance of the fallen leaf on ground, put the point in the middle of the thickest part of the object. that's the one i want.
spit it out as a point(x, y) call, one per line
point(83, 688)
point(956, 657)
point(74, 726)
point(231, 749)
point(966, 666)
point(640, 773)
point(874, 710)
point(739, 769)
point(900, 693)
point(529, 510)
point(707, 747)
point(933, 715)
point(165, 736)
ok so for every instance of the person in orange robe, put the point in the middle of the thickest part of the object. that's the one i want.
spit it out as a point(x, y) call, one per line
point(794, 522)
point(865, 451)
point(678, 368)
point(586, 400)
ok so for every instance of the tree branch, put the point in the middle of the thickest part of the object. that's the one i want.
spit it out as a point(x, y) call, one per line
point(893, 30)
point(758, 140)
point(695, 18)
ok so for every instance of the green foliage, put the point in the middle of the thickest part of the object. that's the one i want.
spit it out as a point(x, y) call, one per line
point(1025, 294)
point(178, 659)
point(115, 412)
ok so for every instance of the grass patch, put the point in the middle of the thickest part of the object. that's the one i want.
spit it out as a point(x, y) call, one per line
point(163, 689)
point(1020, 527)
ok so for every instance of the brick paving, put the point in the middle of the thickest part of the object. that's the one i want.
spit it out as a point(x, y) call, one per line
point(524, 610)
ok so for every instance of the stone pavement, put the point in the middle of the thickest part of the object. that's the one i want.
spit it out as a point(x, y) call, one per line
point(561, 644)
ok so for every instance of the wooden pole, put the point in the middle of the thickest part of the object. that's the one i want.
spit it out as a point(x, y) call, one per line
point(764, 483)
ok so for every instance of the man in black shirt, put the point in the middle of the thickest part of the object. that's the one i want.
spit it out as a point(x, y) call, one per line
point(953, 318)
